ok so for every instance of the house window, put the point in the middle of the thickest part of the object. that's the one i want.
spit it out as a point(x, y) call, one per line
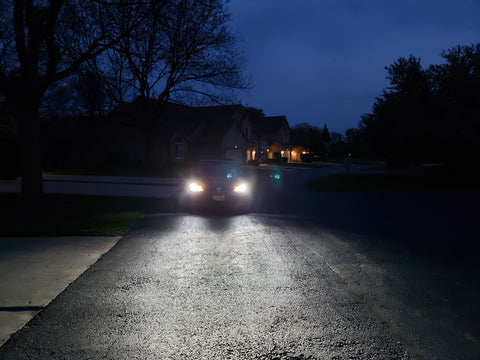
point(178, 148)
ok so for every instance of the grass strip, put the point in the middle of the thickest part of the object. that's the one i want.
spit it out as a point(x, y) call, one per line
point(71, 215)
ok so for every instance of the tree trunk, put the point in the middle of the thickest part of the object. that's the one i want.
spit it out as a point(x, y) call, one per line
point(30, 151)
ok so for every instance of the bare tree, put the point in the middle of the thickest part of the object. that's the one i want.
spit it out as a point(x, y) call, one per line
point(44, 41)
point(184, 49)
point(202, 55)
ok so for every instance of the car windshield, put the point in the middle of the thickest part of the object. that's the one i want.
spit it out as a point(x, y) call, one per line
point(217, 169)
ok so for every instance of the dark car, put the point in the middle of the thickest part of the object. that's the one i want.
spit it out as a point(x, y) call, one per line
point(218, 184)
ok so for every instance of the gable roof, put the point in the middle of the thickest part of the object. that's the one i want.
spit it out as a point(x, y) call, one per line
point(215, 122)
point(269, 126)
point(270, 123)
point(204, 124)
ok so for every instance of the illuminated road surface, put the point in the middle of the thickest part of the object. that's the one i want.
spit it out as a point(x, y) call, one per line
point(241, 287)
point(187, 286)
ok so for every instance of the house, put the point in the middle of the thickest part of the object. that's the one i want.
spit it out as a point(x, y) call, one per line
point(273, 140)
point(222, 132)
point(149, 133)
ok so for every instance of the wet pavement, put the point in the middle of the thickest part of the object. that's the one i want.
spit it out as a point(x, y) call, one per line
point(257, 286)
point(193, 287)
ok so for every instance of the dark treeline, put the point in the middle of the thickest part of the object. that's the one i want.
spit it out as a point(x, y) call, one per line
point(426, 114)
point(316, 140)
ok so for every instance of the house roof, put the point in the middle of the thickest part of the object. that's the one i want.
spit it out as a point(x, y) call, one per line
point(137, 113)
point(215, 122)
point(205, 124)
point(176, 118)
point(268, 126)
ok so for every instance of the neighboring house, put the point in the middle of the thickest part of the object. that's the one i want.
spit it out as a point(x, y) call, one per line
point(147, 132)
point(273, 139)
point(223, 132)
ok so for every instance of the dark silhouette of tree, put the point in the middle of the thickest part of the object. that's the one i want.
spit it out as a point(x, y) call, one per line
point(91, 98)
point(399, 124)
point(255, 113)
point(338, 145)
point(326, 134)
point(184, 52)
point(299, 134)
point(44, 42)
point(309, 136)
point(431, 114)
point(202, 54)
point(456, 85)
point(355, 144)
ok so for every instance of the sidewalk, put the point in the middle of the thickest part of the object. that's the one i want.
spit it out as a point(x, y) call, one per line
point(34, 270)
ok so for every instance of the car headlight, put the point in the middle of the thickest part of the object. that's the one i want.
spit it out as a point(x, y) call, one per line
point(240, 188)
point(196, 187)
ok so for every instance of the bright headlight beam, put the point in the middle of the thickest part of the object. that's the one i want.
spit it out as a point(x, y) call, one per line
point(240, 188)
point(195, 187)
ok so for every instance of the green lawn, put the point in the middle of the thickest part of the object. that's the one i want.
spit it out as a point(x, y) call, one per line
point(70, 215)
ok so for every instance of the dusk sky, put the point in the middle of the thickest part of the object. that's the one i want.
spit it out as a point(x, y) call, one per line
point(323, 61)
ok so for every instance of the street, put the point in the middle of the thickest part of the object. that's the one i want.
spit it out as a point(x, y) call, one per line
point(305, 275)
